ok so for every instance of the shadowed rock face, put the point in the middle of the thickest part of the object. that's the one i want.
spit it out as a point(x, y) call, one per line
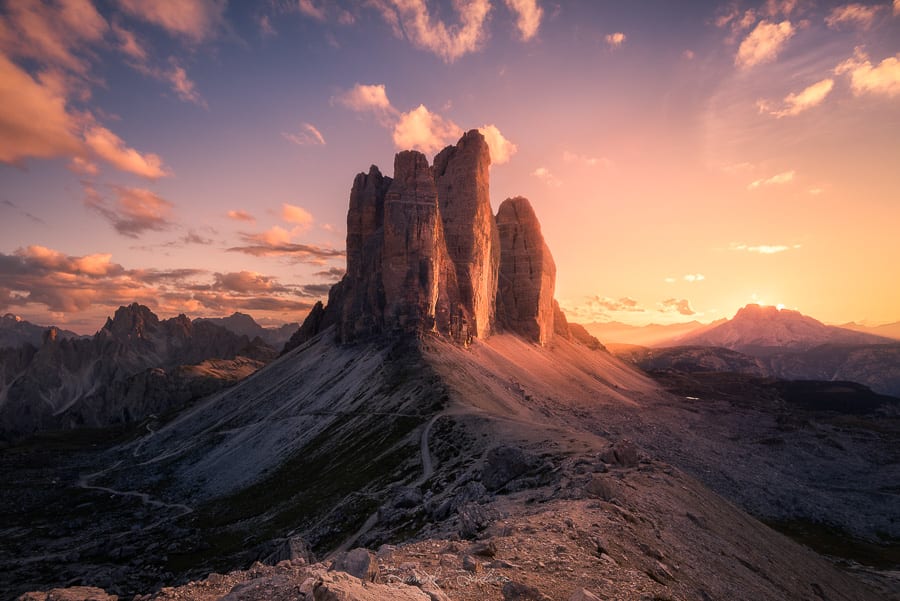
point(419, 277)
point(527, 273)
point(462, 176)
point(424, 253)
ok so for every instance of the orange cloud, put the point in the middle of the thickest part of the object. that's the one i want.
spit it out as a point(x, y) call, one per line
point(134, 212)
point(298, 215)
point(794, 104)
point(882, 79)
point(311, 10)
point(859, 15)
point(615, 40)
point(781, 178)
point(366, 97)
point(195, 20)
point(423, 130)
point(681, 306)
point(111, 148)
point(241, 216)
point(34, 121)
point(528, 16)
point(501, 148)
point(309, 135)
point(129, 44)
point(763, 44)
point(544, 174)
point(51, 33)
point(412, 20)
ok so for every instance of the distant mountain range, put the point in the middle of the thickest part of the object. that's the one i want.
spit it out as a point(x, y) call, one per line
point(15, 331)
point(244, 325)
point(758, 330)
point(134, 366)
point(614, 332)
point(763, 341)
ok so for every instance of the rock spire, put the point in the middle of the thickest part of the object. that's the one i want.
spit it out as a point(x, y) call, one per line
point(425, 253)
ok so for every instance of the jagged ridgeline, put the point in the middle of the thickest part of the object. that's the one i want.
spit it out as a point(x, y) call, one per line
point(426, 253)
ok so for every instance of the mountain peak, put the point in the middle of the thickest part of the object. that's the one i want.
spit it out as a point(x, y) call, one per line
point(755, 328)
point(134, 320)
point(426, 253)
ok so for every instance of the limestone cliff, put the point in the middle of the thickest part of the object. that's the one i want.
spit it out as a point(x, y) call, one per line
point(527, 273)
point(425, 253)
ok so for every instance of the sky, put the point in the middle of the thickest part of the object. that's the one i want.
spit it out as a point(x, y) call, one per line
point(684, 158)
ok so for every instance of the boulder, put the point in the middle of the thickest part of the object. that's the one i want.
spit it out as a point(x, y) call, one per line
point(359, 562)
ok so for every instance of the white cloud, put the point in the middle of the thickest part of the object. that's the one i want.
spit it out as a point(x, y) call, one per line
point(859, 15)
point(764, 249)
point(694, 277)
point(195, 20)
point(763, 44)
point(670, 280)
point(615, 40)
point(571, 157)
point(309, 135)
point(297, 215)
point(111, 148)
point(794, 104)
point(781, 178)
point(528, 16)
point(420, 129)
point(544, 174)
point(815, 191)
point(501, 148)
point(412, 20)
point(883, 78)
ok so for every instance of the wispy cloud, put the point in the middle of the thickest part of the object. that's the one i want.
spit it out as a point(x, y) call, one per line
point(300, 253)
point(545, 175)
point(615, 40)
point(308, 135)
point(763, 44)
point(694, 277)
point(682, 306)
point(309, 8)
point(412, 20)
point(796, 103)
point(23, 212)
point(194, 20)
point(781, 178)
point(134, 211)
point(590, 161)
point(240, 215)
point(296, 215)
point(528, 16)
point(881, 79)
point(111, 148)
point(764, 249)
point(858, 15)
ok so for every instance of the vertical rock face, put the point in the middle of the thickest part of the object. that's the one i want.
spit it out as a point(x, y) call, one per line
point(424, 253)
point(527, 273)
point(462, 176)
point(362, 298)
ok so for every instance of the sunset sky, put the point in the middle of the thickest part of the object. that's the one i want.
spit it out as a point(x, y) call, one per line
point(685, 158)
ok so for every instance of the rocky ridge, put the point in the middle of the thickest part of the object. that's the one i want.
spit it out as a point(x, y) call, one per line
point(425, 253)
point(134, 366)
